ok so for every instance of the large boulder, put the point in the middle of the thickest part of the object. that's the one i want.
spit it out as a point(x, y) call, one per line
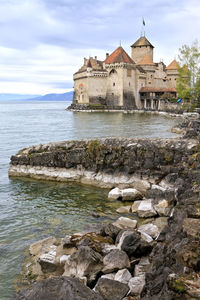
point(111, 289)
point(47, 261)
point(58, 288)
point(131, 195)
point(84, 262)
point(110, 230)
point(123, 276)
point(163, 208)
point(159, 193)
point(123, 222)
point(146, 210)
point(134, 245)
point(145, 237)
point(149, 229)
point(42, 246)
point(136, 285)
point(142, 267)
point(115, 194)
point(135, 206)
point(129, 242)
point(115, 260)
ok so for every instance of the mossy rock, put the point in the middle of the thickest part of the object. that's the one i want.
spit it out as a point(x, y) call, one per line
point(92, 240)
point(177, 286)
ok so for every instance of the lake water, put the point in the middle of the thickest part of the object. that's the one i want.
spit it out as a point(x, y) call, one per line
point(31, 210)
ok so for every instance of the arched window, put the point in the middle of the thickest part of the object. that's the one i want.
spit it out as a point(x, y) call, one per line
point(113, 71)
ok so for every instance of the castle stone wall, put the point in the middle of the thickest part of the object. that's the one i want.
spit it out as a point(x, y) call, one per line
point(139, 52)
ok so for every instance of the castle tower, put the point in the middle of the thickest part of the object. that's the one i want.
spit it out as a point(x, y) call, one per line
point(121, 80)
point(172, 73)
point(141, 48)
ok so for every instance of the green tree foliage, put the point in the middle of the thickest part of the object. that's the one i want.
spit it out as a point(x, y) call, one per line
point(188, 83)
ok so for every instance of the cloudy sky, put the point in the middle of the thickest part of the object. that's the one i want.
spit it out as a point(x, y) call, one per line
point(43, 42)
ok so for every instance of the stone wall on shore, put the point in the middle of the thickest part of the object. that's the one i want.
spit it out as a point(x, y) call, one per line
point(104, 162)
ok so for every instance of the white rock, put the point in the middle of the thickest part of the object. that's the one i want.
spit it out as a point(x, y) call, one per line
point(123, 222)
point(146, 209)
point(142, 267)
point(135, 206)
point(158, 187)
point(131, 194)
point(123, 276)
point(106, 248)
point(42, 246)
point(124, 209)
point(145, 237)
point(115, 194)
point(149, 229)
point(141, 185)
point(163, 208)
point(115, 260)
point(136, 285)
point(109, 276)
point(160, 222)
point(49, 257)
point(64, 258)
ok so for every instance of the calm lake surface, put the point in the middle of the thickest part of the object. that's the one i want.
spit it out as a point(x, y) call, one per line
point(31, 210)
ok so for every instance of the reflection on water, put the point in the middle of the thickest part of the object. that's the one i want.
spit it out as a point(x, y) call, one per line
point(31, 210)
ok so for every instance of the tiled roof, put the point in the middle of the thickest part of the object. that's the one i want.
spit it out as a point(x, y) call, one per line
point(118, 56)
point(146, 60)
point(152, 89)
point(142, 41)
point(173, 65)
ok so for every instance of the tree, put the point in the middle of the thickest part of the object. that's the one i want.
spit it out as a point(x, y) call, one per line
point(188, 83)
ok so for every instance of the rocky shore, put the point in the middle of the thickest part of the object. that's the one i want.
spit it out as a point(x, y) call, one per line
point(152, 251)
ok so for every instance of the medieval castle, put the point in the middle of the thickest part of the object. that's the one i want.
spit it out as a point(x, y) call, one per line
point(124, 82)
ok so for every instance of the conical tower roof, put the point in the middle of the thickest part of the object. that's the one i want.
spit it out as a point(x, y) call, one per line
point(146, 60)
point(118, 56)
point(142, 41)
point(173, 65)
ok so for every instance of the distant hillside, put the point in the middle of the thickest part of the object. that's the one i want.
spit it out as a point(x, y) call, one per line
point(5, 97)
point(49, 97)
point(55, 97)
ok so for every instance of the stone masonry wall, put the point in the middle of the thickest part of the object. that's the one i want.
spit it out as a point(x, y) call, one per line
point(103, 159)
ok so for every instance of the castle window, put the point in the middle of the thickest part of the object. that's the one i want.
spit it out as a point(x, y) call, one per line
point(112, 71)
point(129, 84)
point(128, 72)
point(113, 83)
point(164, 80)
point(149, 82)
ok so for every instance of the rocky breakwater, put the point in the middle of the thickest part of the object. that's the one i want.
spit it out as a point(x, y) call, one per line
point(154, 257)
point(107, 163)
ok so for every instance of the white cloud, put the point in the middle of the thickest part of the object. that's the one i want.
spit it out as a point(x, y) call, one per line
point(43, 42)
